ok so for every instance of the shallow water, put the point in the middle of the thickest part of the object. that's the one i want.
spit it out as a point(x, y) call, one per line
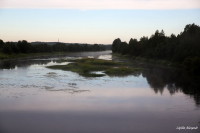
point(35, 99)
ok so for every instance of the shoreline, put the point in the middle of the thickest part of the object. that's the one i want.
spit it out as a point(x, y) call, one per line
point(4, 57)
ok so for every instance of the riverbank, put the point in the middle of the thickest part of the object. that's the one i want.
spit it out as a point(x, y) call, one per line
point(190, 66)
point(141, 60)
point(28, 55)
point(46, 55)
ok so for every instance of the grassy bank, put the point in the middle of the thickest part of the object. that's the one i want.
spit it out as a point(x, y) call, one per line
point(191, 66)
point(88, 67)
point(161, 63)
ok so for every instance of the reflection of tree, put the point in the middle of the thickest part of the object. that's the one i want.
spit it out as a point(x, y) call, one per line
point(7, 65)
point(10, 64)
point(155, 81)
point(174, 81)
point(160, 78)
point(172, 88)
point(190, 86)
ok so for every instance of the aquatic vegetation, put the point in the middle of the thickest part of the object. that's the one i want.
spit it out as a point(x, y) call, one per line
point(121, 71)
point(89, 67)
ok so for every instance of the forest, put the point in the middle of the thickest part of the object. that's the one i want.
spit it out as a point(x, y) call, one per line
point(183, 49)
point(26, 47)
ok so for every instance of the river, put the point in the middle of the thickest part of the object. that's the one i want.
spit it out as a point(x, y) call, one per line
point(35, 99)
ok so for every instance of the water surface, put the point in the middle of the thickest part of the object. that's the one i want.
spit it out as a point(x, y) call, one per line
point(35, 99)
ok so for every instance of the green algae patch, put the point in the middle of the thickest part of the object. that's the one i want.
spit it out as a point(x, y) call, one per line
point(90, 67)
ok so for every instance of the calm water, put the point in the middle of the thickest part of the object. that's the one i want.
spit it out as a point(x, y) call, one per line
point(35, 99)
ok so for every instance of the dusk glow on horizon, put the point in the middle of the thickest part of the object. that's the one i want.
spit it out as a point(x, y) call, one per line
point(93, 21)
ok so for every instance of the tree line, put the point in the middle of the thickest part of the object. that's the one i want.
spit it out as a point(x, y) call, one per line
point(183, 48)
point(26, 47)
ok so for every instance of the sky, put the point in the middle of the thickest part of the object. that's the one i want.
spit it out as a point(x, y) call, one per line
point(93, 21)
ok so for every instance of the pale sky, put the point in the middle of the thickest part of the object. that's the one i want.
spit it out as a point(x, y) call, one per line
point(102, 4)
point(93, 21)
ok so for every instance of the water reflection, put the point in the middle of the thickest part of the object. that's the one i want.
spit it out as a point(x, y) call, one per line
point(36, 99)
point(174, 81)
point(159, 78)
point(12, 64)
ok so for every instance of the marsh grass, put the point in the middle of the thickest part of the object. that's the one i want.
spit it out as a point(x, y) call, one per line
point(86, 66)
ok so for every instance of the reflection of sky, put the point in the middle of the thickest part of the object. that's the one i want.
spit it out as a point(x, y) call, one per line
point(36, 88)
point(36, 99)
point(97, 99)
point(91, 26)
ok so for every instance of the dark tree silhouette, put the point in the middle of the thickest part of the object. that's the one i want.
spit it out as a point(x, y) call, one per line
point(1, 43)
point(116, 45)
point(26, 47)
point(183, 48)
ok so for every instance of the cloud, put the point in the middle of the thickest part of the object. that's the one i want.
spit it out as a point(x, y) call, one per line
point(102, 4)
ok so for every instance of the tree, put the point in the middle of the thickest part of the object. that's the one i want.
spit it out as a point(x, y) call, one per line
point(7, 48)
point(123, 48)
point(24, 46)
point(191, 29)
point(133, 46)
point(1, 42)
point(116, 45)
point(158, 46)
